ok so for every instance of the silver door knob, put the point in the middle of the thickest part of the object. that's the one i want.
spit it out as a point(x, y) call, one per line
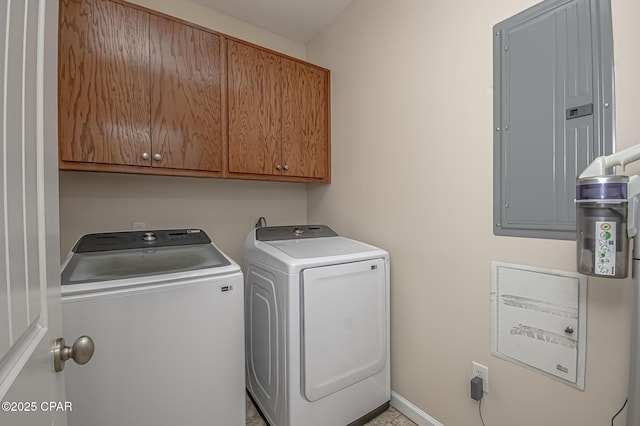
point(286, 167)
point(278, 167)
point(81, 352)
point(157, 157)
point(145, 155)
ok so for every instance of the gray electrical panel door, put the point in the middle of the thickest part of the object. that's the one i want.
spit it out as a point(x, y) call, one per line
point(553, 112)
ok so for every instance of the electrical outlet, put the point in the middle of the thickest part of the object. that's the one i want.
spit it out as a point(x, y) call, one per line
point(481, 371)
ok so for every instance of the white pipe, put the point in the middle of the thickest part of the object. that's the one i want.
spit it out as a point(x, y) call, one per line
point(633, 403)
point(600, 165)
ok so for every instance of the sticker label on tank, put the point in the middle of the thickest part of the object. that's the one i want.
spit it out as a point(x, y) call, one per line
point(605, 250)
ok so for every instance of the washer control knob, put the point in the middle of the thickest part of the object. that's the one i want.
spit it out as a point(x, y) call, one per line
point(149, 236)
point(298, 231)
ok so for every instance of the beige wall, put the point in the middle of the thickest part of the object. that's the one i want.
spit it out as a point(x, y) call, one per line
point(94, 202)
point(101, 202)
point(412, 172)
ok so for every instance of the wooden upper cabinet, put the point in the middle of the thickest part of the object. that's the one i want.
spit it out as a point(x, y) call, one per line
point(255, 109)
point(278, 115)
point(142, 92)
point(136, 89)
point(103, 83)
point(305, 120)
point(186, 128)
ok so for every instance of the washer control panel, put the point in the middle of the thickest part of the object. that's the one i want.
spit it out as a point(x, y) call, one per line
point(294, 232)
point(140, 239)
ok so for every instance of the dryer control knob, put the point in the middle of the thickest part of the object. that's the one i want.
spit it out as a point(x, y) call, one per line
point(298, 231)
point(149, 236)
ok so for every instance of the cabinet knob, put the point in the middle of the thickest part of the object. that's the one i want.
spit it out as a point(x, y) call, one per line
point(157, 157)
point(145, 155)
point(286, 167)
point(278, 167)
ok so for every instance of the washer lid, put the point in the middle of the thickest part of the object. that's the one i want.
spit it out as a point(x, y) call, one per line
point(131, 263)
point(321, 247)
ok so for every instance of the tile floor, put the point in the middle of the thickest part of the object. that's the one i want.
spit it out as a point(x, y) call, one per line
point(391, 417)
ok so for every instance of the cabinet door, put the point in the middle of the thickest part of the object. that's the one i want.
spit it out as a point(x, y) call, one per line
point(255, 111)
point(186, 130)
point(305, 136)
point(103, 83)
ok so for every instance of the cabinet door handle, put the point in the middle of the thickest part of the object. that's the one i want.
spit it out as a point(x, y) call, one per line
point(145, 155)
point(157, 157)
point(286, 167)
point(278, 167)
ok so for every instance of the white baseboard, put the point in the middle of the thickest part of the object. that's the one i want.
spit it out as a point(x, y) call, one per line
point(415, 414)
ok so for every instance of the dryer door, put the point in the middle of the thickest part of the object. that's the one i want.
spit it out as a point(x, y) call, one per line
point(344, 327)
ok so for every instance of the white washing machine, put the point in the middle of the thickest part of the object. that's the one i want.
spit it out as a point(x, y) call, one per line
point(317, 326)
point(166, 312)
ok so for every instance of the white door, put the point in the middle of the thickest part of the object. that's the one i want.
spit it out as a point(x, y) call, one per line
point(29, 248)
point(347, 343)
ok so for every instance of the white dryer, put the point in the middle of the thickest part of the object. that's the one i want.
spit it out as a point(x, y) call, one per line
point(317, 326)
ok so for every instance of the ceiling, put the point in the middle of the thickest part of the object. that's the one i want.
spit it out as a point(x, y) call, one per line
point(297, 20)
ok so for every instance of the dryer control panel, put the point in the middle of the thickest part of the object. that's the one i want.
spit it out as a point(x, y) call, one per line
point(294, 232)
